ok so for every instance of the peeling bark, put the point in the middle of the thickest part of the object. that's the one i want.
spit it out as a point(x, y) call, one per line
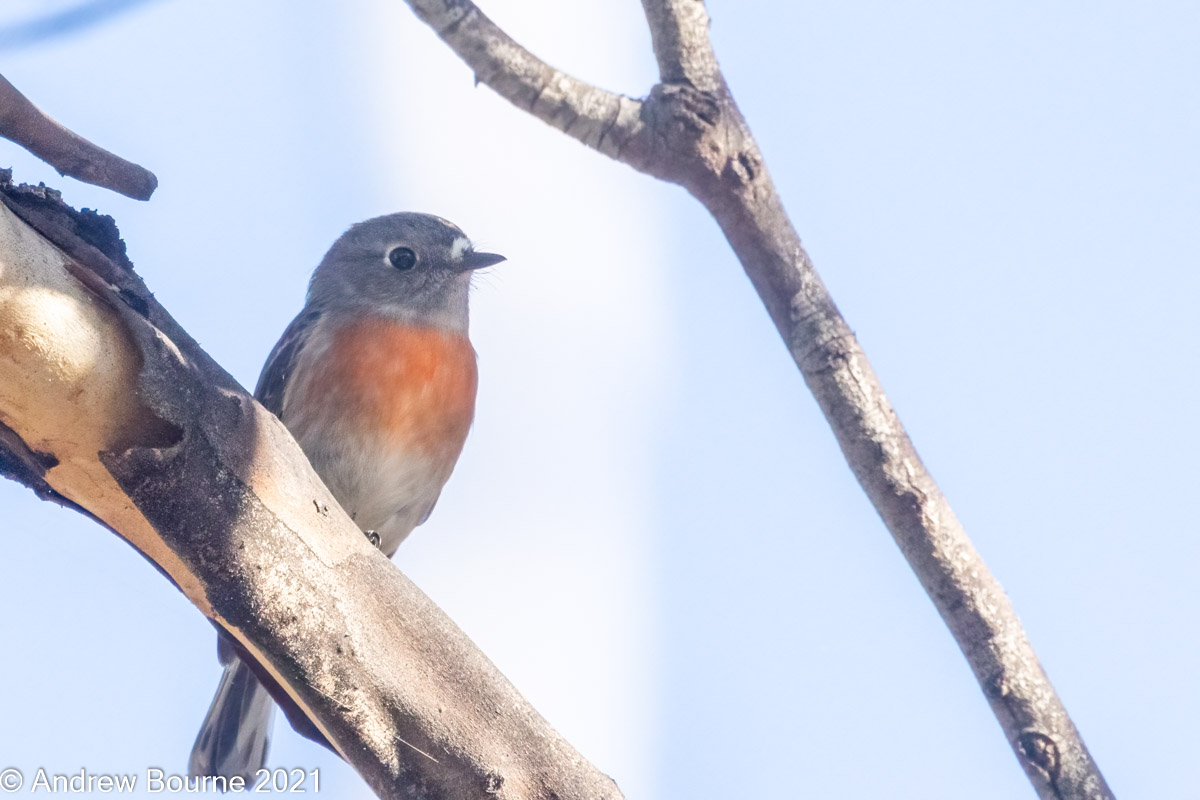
point(107, 405)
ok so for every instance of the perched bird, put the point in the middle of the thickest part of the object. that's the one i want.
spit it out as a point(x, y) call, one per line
point(375, 378)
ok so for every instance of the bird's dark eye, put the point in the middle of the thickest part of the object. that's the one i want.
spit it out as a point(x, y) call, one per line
point(402, 258)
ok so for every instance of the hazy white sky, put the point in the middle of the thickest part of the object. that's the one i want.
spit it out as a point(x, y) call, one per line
point(651, 531)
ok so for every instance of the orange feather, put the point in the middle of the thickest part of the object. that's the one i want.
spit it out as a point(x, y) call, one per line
point(413, 385)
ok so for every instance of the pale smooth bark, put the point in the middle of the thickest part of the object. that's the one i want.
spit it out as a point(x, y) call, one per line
point(108, 406)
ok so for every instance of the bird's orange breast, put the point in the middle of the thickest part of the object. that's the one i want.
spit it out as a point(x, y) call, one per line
point(413, 385)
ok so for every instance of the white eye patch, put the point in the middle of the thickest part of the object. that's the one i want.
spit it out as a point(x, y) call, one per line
point(461, 245)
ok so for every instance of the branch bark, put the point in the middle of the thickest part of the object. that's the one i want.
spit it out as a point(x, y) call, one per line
point(689, 131)
point(106, 404)
point(68, 152)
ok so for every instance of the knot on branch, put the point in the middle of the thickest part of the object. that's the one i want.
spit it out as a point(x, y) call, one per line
point(680, 127)
point(1042, 752)
point(494, 784)
point(683, 113)
point(996, 687)
point(697, 138)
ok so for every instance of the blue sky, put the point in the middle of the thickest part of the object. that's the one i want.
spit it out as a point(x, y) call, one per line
point(651, 531)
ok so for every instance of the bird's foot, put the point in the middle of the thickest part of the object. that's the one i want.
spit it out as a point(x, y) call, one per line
point(372, 537)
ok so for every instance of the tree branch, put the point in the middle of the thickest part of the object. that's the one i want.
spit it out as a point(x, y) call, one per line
point(679, 31)
point(602, 120)
point(691, 132)
point(69, 153)
point(107, 404)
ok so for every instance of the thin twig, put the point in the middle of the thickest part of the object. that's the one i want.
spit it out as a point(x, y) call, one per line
point(600, 119)
point(690, 131)
point(66, 151)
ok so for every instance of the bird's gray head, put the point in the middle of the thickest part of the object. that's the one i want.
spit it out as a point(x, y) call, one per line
point(412, 267)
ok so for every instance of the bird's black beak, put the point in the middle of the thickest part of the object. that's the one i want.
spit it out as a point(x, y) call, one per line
point(473, 260)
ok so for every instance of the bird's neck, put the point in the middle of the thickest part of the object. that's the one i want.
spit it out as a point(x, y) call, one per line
point(445, 310)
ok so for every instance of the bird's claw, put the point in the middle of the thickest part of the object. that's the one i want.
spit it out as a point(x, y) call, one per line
point(372, 537)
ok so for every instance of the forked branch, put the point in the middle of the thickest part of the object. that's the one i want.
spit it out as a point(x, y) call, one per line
point(689, 131)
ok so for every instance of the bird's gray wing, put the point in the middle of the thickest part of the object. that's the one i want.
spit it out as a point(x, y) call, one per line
point(282, 361)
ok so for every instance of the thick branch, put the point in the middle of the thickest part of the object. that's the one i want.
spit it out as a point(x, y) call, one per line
point(106, 403)
point(692, 133)
point(69, 153)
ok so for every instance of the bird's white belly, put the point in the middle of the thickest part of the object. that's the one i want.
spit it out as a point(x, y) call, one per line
point(382, 489)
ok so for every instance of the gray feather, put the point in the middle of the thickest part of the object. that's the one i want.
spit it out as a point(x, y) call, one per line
point(236, 734)
point(282, 361)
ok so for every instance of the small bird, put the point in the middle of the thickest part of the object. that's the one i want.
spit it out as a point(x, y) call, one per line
point(376, 379)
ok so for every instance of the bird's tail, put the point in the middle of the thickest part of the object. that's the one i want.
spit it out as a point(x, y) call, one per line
point(236, 733)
